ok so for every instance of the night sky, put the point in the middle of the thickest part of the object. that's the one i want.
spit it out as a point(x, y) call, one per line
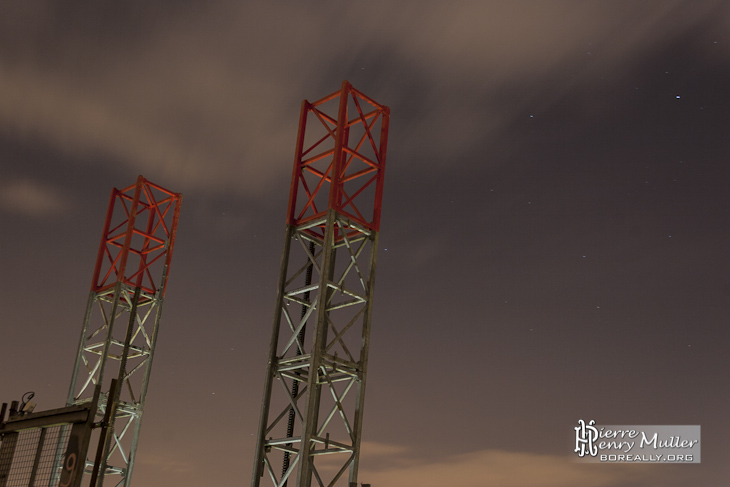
point(554, 239)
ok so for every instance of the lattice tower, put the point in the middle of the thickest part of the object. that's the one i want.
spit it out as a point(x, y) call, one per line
point(122, 316)
point(312, 409)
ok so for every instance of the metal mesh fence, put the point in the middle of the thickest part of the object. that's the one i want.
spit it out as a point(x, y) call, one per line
point(33, 455)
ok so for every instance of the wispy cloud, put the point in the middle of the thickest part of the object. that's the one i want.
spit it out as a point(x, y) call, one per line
point(488, 468)
point(208, 97)
point(31, 198)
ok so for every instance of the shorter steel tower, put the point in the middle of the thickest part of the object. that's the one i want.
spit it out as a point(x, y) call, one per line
point(122, 317)
point(312, 409)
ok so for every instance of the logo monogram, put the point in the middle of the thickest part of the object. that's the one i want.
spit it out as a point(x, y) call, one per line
point(585, 437)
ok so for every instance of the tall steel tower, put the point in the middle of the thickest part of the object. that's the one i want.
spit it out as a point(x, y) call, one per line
point(312, 408)
point(123, 314)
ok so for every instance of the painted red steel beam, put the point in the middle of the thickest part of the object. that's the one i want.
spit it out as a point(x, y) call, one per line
point(358, 163)
point(141, 221)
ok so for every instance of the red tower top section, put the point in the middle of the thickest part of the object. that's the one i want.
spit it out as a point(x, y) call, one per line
point(340, 160)
point(139, 234)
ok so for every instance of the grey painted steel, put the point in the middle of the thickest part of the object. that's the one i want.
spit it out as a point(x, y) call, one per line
point(118, 341)
point(331, 364)
point(104, 433)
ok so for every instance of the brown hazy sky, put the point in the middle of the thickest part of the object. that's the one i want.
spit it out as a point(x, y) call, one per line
point(554, 243)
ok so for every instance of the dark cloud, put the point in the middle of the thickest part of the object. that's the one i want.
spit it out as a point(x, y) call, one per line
point(206, 96)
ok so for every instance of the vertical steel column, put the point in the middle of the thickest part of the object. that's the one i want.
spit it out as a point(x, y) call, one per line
point(331, 236)
point(122, 316)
